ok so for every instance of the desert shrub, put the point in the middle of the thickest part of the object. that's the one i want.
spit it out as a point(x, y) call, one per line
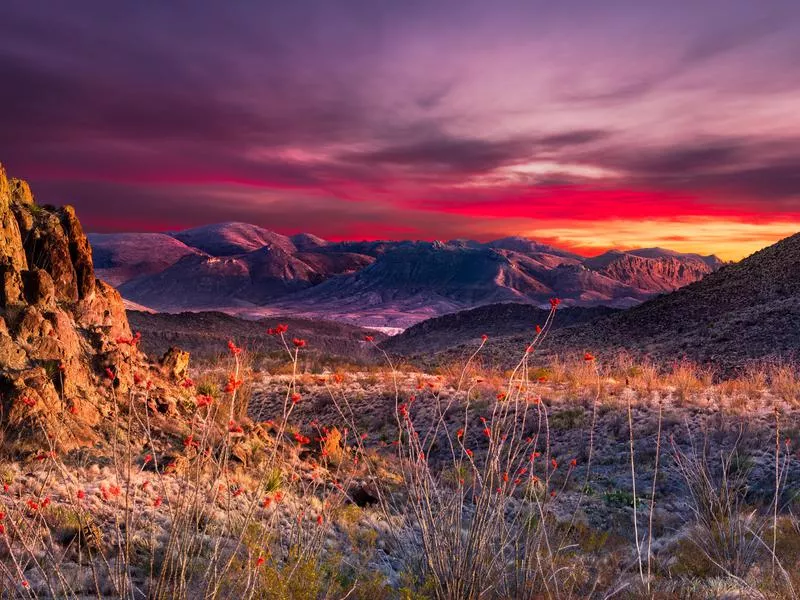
point(689, 379)
point(727, 532)
point(785, 382)
point(568, 418)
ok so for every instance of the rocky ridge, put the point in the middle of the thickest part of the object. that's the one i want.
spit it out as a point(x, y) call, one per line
point(65, 343)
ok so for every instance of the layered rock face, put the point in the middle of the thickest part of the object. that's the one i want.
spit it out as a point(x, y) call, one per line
point(63, 350)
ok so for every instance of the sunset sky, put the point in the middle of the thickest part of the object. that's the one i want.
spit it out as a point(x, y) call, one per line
point(588, 124)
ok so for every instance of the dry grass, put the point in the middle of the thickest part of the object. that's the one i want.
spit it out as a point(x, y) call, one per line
point(461, 484)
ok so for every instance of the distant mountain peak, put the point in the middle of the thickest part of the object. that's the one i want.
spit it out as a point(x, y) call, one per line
point(232, 237)
point(308, 241)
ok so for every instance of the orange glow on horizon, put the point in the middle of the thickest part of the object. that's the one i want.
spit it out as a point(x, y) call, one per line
point(729, 240)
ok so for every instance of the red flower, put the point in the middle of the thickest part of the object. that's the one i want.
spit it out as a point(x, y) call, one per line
point(260, 561)
point(73, 409)
point(233, 384)
point(295, 398)
point(505, 477)
point(110, 374)
point(299, 343)
point(81, 494)
point(501, 396)
point(588, 357)
point(538, 329)
point(487, 432)
point(369, 338)
point(157, 502)
point(233, 348)
point(573, 463)
point(301, 439)
point(29, 402)
point(469, 452)
point(234, 428)
point(319, 519)
point(554, 463)
point(148, 458)
point(204, 400)
point(190, 442)
point(33, 505)
point(2, 529)
point(484, 337)
point(278, 330)
point(554, 302)
point(460, 433)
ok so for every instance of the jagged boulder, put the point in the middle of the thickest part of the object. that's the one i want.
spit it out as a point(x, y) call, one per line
point(175, 363)
point(66, 347)
point(20, 191)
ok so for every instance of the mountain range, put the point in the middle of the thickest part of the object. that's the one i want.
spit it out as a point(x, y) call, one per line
point(245, 269)
point(742, 311)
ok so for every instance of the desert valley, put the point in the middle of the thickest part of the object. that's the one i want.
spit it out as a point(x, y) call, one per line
point(399, 300)
point(538, 448)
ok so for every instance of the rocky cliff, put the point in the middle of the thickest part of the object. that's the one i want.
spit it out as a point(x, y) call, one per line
point(65, 343)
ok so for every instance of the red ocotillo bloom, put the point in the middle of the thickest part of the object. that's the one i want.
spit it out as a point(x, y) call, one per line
point(299, 343)
point(281, 328)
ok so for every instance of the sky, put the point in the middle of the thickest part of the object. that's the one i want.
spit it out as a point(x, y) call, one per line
point(581, 123)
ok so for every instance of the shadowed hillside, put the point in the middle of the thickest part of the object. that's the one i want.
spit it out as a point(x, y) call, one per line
point(748, 310)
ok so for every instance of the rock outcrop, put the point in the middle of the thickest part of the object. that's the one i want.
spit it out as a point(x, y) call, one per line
point(66, 349)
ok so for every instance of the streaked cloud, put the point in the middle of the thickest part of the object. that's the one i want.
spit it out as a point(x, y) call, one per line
point(436, 119)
